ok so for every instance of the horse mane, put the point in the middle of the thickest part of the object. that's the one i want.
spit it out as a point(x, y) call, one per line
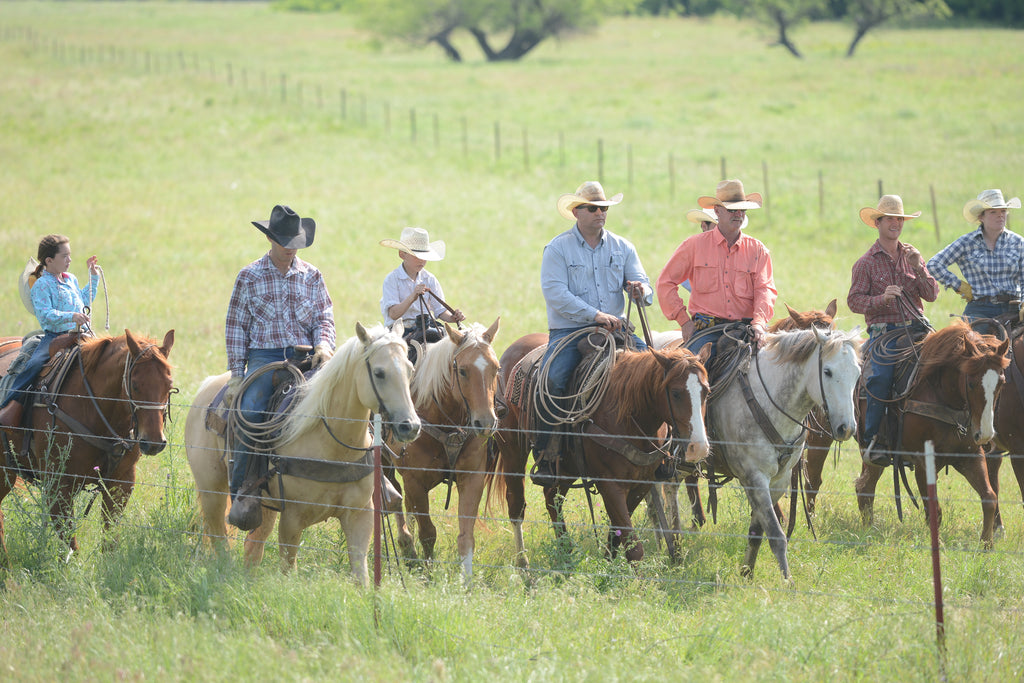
point(637, 377)
point(314, 397)
point(796, 346)
point(432, 380)
point(959, 347)
point(94, 350)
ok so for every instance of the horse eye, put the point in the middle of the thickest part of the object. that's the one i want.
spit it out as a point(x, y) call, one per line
point(378, 373)
point(828, 372)
point(676, 394)
point(462, 372)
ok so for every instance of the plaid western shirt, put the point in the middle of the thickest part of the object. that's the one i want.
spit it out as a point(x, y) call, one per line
point(990, 273)
point(268, 310)
point(873, 272)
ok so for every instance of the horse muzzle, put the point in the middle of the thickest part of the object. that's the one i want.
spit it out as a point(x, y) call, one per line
point(406, 430)
point(149, 447)
point(844, 431)
point(697, 451)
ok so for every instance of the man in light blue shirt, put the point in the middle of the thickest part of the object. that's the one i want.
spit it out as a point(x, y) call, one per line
point(585, 274)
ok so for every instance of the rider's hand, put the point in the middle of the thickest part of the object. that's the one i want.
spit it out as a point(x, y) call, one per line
point(321, 354)
point(914, 259)
point(964, 290)
point(607, 321)
point(80, 318)
point(891, 293)
point(94, 265)
point(757, 332)
point(635, 288)
point(687, 329)
point(232, 391)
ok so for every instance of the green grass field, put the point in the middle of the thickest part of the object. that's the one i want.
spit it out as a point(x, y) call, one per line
point(153, 133)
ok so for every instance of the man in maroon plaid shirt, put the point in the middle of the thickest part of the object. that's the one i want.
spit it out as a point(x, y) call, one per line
point(889, 282)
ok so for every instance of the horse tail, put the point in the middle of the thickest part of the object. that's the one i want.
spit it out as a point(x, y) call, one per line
point(494, 483)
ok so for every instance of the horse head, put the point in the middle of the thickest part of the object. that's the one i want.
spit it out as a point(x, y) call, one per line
point(147, 385)
point(385, 385)
point(683, 397)
point(797, 320)
point(983, 377)
point(838, 370)
point(474, 370)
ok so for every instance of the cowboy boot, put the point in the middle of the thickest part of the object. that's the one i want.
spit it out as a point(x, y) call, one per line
point(246, 509)
point(546, 465)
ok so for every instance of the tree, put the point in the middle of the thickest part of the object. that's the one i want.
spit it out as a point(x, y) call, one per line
point(868, 14)
point(522, 24)
point(781, 14)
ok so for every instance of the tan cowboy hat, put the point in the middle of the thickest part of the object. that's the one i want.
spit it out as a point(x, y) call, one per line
point(287, 229)
point(589, 192)
point(729, 194)
point(698, 216)
point(25, 282)
point(417, 242)
point(989, 199)
point(888, 205)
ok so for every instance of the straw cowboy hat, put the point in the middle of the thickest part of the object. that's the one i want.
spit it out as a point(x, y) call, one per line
point(888, 205)
point(698, 216)
point(989, 199)
point(729, 194)
point(589, 192)
point(287, 229)
point(417, 242)
point(25, 282)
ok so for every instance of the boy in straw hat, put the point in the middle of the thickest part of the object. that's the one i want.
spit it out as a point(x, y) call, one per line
point(990, 258)
point(279, 302)
point(408, 289)
point(888, 284)
point(730, 272)
point(584, 272)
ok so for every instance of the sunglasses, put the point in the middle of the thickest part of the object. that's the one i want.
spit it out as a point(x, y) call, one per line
point(594, 209)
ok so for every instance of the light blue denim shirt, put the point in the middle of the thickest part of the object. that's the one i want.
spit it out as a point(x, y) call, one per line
point(56, 299)
point(579, 280)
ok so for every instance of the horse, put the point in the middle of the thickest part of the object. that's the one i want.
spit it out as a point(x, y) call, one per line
point(646, 391)
point(663, 498)
point(761, 437)
point(1009, 422)
point(91, 429)
point(453, 388)
point(324, 468)
point(951, 403)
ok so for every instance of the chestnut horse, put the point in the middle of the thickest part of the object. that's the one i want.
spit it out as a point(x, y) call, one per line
point(108, 412)
point(323, 448)
point(453, 388)
point(951, 403)
point(646, 391)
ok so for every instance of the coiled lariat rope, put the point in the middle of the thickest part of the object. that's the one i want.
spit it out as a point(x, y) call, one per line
point(261, 435)
point(573, 408)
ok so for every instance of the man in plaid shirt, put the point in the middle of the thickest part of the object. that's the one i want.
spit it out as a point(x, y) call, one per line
point(889, 282)
point(279, 302)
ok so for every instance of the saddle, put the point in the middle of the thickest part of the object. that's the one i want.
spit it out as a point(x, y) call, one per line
point(285, 386)
point(906, 367)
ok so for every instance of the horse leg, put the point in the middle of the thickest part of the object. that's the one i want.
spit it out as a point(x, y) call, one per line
point(815, 456)
point(471, 489)
point(214, 505)
point(405, 539)
point(256, 540)
point(697, 518)
point(764, 522)
point(417, 505)
point(976, 473)
point(993, 461)
point(513, 472)
point(115, 499)
point(357, 525)
point(618, 515)
point(656, 510)
point(865, 486)
point(6, 483)
point(289, 536)
point(635, 548)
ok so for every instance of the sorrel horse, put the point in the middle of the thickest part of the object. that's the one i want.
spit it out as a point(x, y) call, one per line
point(951, 403)
point(663, 499)
point(621, 443)
point(91, 430)
point(453, 388)
point(325, 468)
point(1009, 422)
point(792, 372)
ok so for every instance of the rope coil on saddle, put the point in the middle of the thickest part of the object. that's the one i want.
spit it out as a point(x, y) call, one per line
point(596, 368)
point(262, 435)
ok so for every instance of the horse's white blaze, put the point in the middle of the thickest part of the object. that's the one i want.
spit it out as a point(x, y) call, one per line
point(989, 382)
point(699, 446)
point(481, 364)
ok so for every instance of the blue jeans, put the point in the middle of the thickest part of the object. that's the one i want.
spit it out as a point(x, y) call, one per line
point(699, 339)
point(560, 372)
point(35, 363)
point(979, 309)
point(879, 380)
point(252, 405)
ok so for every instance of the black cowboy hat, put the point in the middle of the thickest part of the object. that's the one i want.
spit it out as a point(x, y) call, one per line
point(287, 229)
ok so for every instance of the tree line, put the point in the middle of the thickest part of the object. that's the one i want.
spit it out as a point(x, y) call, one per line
point(506, 30)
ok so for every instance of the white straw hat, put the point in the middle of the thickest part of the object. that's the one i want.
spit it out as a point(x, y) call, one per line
point(417, 242)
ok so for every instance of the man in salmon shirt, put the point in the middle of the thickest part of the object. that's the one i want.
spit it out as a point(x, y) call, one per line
point(730, 273)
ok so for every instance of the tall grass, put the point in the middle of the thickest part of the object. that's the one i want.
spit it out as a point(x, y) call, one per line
point(160, 170)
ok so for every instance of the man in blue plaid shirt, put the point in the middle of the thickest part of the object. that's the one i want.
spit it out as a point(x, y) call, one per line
point(990, 258)
point(279, 302)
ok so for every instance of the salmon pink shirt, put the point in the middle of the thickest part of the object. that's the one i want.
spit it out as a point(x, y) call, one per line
point(728, 282)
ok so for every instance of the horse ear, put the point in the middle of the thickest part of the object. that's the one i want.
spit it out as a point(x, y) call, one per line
point(364, 336)
point(705, 353)
point(663, 358)
point(492, 331)
point(831, 309)
point(398, 327)
point(133, 345)
point(795, 315)
point(453, 334)
point(1002, 348)
point(165, 348)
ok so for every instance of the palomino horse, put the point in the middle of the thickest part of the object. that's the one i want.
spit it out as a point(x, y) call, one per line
point(108, 412)
point(453, 388)
point(325, 469)
point(951, 403)
point(663, 499)
point(760, 438)
point(621, 441)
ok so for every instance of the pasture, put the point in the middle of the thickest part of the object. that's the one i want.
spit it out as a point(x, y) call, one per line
point(153, 134)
